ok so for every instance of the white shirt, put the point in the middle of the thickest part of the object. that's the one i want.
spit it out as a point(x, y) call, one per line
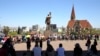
point(3, 41)
point(37, 51)
point(60, 52)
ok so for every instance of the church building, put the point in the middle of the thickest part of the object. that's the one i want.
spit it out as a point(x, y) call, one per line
point(77, 26)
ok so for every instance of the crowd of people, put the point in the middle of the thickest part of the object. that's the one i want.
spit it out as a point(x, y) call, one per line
point(7, 48)
point(23, 38)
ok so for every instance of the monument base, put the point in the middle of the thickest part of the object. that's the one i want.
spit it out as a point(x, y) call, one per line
point(47, 33)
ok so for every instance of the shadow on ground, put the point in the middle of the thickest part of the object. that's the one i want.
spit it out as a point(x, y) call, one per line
point(67, 53)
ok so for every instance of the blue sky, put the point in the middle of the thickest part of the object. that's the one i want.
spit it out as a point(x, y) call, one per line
point(30, 12)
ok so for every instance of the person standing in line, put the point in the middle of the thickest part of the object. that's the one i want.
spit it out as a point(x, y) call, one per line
point(37, 51)
point(60, 51)
point(28, 44)
point(50, 50)
point(9, 47)
point(48, 41)
point(4, 51)
point(92, 51)
point(88, 43)
point(41, 43)
point(95, 42)
point(37, 41)
point(77, 50)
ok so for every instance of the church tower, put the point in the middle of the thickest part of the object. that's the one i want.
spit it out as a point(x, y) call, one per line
point(73, 14)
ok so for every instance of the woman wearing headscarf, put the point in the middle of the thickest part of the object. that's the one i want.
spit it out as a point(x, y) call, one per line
point(50, 50)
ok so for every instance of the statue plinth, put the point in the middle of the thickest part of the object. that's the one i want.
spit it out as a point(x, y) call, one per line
point(47, 33)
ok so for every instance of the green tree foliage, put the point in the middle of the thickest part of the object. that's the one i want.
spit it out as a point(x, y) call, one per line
point(26, 33)
point(13, 33)
point(6, 30)
point(84, 31)
point(95, 31)
point(19, 31)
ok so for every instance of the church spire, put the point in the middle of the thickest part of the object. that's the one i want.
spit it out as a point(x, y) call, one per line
point(73, 14)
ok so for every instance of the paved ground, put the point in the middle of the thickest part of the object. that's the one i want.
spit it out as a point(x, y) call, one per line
point(68, 45)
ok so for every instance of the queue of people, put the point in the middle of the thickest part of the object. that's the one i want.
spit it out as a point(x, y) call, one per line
point(60, 51)
point(91, 49)
point(8, 49)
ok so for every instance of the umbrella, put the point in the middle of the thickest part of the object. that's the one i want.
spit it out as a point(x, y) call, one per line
point(28, 36)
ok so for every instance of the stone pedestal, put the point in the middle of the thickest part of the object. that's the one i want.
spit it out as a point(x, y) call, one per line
point(47, 33)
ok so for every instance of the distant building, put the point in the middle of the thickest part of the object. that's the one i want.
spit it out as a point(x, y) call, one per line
point(35, 27)
point(53, 26)
point(13, 29)
point(77, 25)
point(26, 29)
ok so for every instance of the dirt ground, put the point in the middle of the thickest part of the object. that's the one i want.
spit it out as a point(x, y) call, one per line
point(67, 44)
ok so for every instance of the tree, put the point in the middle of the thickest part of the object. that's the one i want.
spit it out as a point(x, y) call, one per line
point(26, 33)
point(95, 31)
point(19, 31)
point(6, 30)
point(13, 33)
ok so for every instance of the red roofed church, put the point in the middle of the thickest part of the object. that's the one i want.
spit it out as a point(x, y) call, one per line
point(77, 25)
